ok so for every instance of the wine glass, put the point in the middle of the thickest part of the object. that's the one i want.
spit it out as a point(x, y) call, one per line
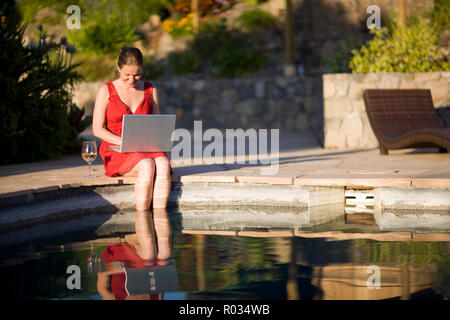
point(89, 154)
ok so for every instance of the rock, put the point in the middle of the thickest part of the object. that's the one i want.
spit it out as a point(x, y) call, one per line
point(333, 124)
point(301, 121)
point(351, 142)
point(165, 45)
point(408, 84)
point(199, 85)
point(439, 91)
point(246, 107)
point(337, 108)
point(275, 92)
point(310, 105)
point(155, 21)
point(352, 124)
point(281, 81)
point(334, 140)
point(289, 70)
point(389, 81)
point(356, 90)
point(359, 106)
point(196, 111)
point(426, 76)
point(230, 95)
point(372, 78)
point(329, 90)
point(200, 100)
point(368, 139)
point(260, 87)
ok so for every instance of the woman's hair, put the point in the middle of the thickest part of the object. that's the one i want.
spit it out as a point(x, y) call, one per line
point(130, 56)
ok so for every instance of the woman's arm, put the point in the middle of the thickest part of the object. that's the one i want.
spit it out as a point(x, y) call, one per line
point(155, 101)
point(99, 117)
point(103, 281)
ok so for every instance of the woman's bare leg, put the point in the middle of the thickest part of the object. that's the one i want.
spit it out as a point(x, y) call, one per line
point(144, 172)
point(162, 182)
point(163, 232)
point(146, 235)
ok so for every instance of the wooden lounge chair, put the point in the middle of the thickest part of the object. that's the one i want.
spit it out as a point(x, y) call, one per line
point(405, 118)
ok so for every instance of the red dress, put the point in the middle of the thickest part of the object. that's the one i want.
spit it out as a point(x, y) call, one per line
point(124, 253)
point(116, 163)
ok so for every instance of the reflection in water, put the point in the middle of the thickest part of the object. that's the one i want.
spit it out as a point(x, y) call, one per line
point(137, 255)
point(139, 268)
point(299, 268)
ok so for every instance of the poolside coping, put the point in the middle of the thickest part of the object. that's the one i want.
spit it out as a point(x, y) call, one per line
point(301, 167)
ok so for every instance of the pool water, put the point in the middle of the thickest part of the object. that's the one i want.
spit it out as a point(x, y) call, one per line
point(153, 259)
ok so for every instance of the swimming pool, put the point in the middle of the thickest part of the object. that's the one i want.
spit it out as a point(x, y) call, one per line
point(227, 259)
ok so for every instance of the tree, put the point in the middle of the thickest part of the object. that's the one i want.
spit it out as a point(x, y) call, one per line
point(35, 104)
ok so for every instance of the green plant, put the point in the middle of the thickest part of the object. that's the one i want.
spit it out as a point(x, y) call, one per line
point(235, 63)
point(212, 38)
point(440, 14)
point(179, 28)
point(36, 99)
point(185, 62)
point(223, 48)
point(338, 60)
point(411, 49)
point(94, 68)
point(139, 10)
point(255, 2)
point(255, 18)
point(152, 68)
point(104, 35)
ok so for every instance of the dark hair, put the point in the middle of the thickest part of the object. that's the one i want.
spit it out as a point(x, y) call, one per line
point(129, 56)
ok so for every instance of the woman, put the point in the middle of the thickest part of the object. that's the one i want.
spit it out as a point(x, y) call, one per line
point(130, 95)
point(149, 249)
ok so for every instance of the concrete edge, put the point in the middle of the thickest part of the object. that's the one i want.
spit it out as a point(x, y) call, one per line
point(348, 183)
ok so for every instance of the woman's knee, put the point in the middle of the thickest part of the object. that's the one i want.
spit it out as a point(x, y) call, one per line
point(162, 166)
point(146, 167)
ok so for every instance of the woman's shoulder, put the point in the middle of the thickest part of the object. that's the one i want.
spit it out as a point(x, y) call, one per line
point(103, 89)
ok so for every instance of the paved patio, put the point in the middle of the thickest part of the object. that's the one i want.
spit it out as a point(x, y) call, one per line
point(302, 161)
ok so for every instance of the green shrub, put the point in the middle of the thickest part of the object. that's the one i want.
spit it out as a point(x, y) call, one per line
point(216, 46)
point(180, 26)
point(254, 2)
point(236, 63)
point(185, 62)
point(212, 38)
point(152, 68)
point(104, 35)
point(411, 49)
point(94, 68)
point(440, 14)
point(139, 10)
point(35, 103)
point(338, 60)
point(255, 18)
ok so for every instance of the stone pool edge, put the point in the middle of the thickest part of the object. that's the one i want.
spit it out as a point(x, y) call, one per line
point(282, 192)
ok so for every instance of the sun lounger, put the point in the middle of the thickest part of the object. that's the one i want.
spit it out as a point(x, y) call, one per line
point(405, 118)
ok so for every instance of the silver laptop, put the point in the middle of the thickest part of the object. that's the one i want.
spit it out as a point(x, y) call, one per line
point(146, 133)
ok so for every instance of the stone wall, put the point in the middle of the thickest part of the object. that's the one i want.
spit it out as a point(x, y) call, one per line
point(287, 103)
point(346, 125)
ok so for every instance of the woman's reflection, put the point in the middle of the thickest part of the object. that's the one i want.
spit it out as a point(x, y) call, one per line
point(139, 268)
